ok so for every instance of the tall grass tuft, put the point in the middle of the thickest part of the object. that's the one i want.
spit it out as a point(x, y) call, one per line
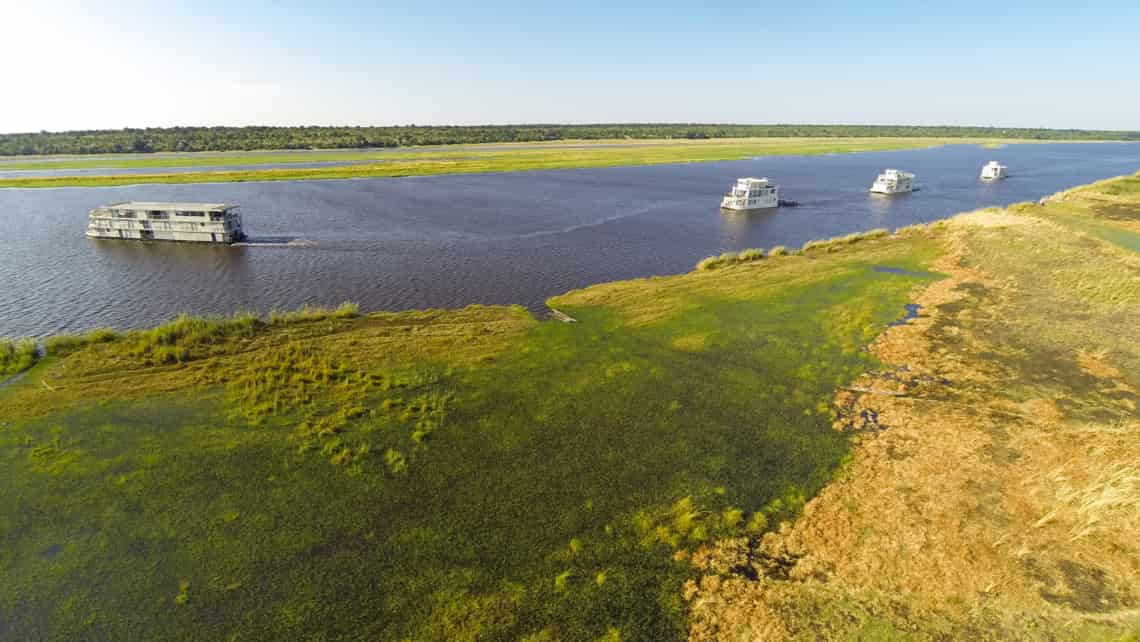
point(834, 243)
point(287, 379)
point(779, 250)
point(65, 343)
point(188, 337)
point(730, 258)
point(16, 355)
point(912, 229)
point(309, 313)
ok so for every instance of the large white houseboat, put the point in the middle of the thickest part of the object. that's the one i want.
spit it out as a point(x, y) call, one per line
point(893, 181)
point(994, 171)
point(751, 194)
point(191, 222)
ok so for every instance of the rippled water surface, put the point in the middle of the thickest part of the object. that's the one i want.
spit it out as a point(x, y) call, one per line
point(446, 241)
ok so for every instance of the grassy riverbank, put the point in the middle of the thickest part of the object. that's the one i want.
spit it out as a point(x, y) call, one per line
point(994, 491)
point(477, 474)
point(447, 475)
point(444, 160)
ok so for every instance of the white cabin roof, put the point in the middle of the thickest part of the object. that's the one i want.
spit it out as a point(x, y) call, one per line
point(751, 181)
point(180, 207)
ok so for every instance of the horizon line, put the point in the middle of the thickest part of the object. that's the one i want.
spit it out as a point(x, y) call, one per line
point(562, 124)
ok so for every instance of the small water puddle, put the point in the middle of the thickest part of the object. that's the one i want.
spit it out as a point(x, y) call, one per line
point(896, 270)
point(911, 313)
point(51, 551)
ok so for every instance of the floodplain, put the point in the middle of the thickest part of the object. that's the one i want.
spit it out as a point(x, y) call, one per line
point(742, 449)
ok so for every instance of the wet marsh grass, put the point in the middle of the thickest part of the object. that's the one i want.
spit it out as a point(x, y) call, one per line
point(309, 313)
point(755, 254)
point(461, 474)
point(16, 355)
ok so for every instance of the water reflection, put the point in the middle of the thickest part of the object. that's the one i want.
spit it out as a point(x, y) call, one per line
point(740, 227)
point(881, 205)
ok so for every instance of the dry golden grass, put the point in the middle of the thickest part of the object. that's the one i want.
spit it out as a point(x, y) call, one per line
point(995, 492)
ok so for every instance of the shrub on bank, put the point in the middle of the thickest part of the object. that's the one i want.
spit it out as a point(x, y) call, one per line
point(16, 355)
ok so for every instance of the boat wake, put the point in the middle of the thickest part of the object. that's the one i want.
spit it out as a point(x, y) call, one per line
point(275, 241)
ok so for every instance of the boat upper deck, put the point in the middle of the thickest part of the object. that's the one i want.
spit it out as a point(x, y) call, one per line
point(169, 207)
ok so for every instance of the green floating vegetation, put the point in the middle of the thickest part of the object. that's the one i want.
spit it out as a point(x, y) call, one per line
point(442, 475)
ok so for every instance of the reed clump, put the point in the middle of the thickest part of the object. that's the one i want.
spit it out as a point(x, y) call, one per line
point(730, 258)
point(308, 313)
point(284, 380)
point(917, 228)
point(189, 337)
point(65, 343)
point(836, 242)
point(16, 355)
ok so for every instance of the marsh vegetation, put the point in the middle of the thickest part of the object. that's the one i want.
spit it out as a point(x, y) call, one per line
point(16, 355)
point(467, 474)
point(475, 474)
point(423, 162)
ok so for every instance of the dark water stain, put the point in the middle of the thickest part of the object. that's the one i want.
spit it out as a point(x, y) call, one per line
point(911, 313)
point(901, 271)
point(1082, 588)
point(448, 241)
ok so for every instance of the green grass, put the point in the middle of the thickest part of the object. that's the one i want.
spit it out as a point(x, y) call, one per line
point(418, 162)
point(16, 355)
point(459, 475)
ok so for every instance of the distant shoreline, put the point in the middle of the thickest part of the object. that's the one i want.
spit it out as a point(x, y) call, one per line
point(455, 159)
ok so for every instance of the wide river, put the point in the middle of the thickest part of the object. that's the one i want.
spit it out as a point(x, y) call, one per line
point(447, 241)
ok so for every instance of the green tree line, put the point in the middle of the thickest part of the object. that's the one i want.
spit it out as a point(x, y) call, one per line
point(200, 139)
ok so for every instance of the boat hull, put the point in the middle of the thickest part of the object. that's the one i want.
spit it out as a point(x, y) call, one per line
point(201, 238)
point(748, 208)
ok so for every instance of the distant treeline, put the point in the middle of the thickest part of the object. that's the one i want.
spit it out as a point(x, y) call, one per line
point(201, 139)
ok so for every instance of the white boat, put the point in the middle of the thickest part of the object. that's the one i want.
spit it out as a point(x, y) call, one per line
point(994, 171)
point(893, 181)
point(191, 222)
point(751, 194)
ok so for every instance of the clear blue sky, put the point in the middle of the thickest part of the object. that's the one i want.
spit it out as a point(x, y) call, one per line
point(87, 64)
